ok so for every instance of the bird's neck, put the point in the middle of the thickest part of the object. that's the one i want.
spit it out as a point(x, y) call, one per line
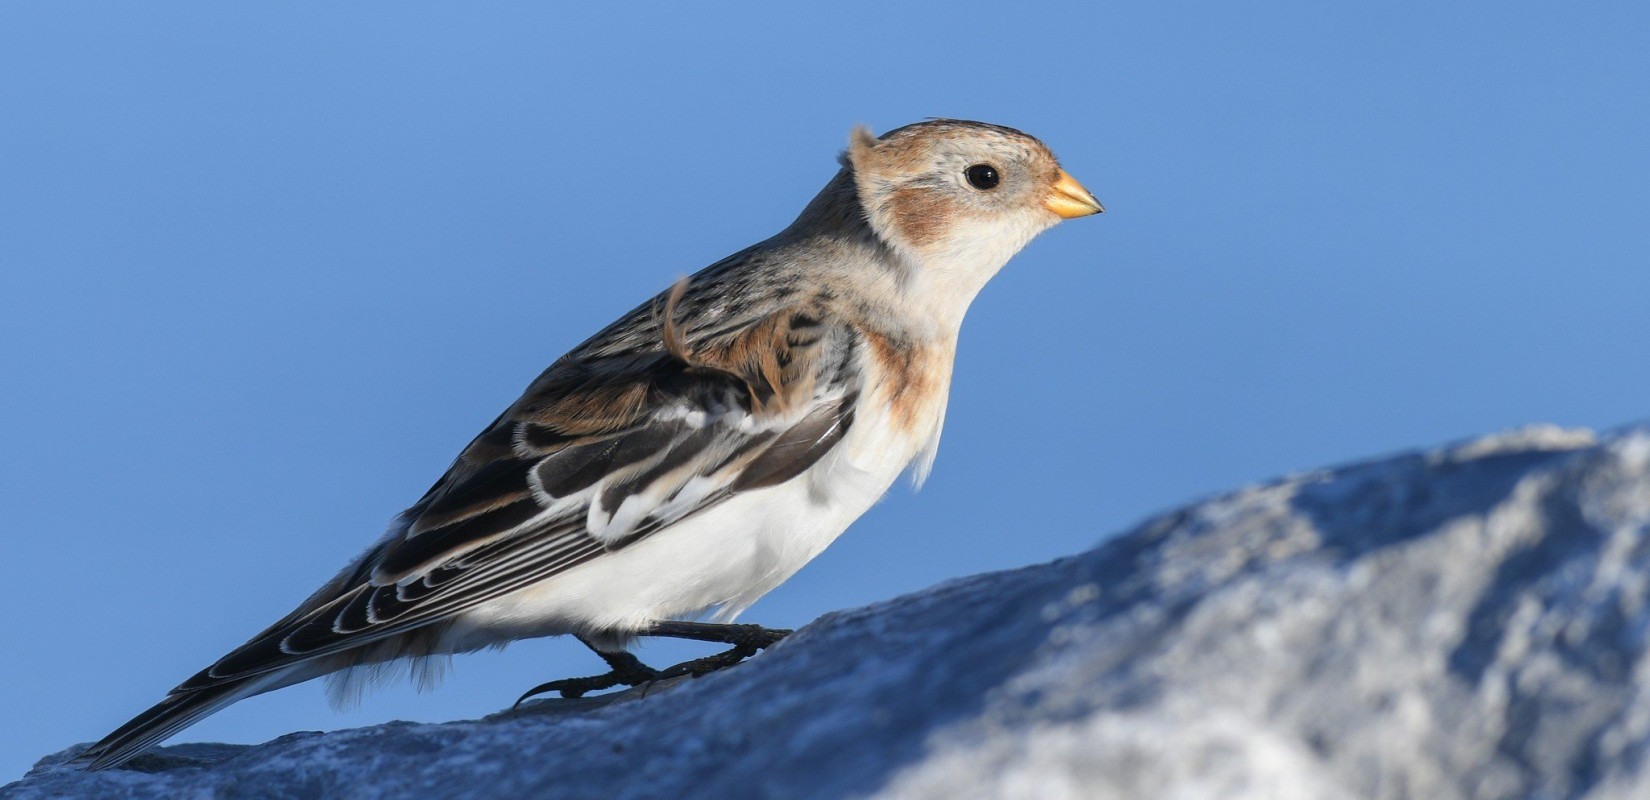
point(942, 290)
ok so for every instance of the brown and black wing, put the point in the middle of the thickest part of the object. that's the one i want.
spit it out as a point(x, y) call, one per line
point(599, 453)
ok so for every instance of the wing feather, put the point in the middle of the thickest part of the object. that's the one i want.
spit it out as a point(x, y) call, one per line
point(601, 452)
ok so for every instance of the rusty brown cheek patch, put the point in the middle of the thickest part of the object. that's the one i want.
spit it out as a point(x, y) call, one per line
point(920, 215)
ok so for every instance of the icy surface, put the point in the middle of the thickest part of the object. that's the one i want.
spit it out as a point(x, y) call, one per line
point(1465, 623)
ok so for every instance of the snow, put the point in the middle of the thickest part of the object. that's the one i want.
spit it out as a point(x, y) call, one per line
point(1469, 622)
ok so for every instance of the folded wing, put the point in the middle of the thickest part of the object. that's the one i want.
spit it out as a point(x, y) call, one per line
point(609, 445)
point(595, 457)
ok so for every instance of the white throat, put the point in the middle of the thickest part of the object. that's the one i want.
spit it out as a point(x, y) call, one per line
point(947, 275)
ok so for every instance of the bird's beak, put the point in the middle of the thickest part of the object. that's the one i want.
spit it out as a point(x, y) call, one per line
point(1069, 199)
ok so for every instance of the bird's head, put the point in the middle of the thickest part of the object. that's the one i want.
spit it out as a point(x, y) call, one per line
point(957, 199)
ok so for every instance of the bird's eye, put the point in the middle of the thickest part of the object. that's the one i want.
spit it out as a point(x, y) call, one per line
point(983, 177)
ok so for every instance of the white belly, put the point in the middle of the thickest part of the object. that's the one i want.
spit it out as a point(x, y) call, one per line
point(725, 557)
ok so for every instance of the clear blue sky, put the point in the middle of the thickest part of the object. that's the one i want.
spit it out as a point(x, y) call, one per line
point(264, 269)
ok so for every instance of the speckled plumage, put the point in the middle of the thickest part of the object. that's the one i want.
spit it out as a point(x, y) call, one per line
point(696, 452)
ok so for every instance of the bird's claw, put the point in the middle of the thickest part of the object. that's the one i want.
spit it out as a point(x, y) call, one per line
point(629, 671)
point(577, 687)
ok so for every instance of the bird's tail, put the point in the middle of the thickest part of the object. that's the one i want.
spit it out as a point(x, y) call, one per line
point(180, 709)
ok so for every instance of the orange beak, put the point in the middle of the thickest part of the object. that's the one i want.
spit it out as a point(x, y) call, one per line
point(1069, 199)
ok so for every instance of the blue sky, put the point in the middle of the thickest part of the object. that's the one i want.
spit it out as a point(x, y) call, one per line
point(264, 269)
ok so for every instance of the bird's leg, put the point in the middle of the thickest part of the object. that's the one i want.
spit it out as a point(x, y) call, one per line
point(626, 668)
point(754, 636)
point(629, 670)
point(746, 640)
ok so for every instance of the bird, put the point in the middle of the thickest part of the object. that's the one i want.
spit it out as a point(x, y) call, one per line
point(692, 455)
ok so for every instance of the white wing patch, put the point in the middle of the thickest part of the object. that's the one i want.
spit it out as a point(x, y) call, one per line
point(699, 462)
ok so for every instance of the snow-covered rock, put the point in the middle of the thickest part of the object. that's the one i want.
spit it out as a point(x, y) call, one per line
point(1464, 623)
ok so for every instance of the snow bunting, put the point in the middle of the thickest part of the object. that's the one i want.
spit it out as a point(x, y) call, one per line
point(694, 454)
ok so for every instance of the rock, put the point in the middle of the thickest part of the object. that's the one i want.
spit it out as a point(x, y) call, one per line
point(1464, 623)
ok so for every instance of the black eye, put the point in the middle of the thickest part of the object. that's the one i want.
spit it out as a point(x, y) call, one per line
point(983, 177)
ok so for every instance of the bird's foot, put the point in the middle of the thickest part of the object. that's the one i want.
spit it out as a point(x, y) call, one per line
point(709, 664)
point(627, 670)
point(630, 671)
point(746, 640)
